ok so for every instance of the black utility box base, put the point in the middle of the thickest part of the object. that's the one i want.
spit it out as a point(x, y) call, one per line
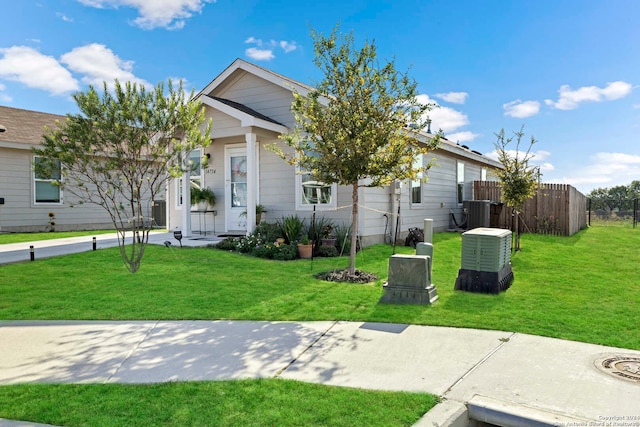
point(486, 282)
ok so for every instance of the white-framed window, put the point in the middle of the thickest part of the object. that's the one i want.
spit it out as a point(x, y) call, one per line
point(45, 189)
point(195, 160)
point(483, 174)
point(416, 185)
point(460, 181)
point(311, 192)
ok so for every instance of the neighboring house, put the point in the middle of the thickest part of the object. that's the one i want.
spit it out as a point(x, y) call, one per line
point(250, 107)
point(27, 199)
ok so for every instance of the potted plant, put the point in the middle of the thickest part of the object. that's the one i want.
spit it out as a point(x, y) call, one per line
point(260, 209)
point(326, 235)
point(203, 197)
point(305, 247)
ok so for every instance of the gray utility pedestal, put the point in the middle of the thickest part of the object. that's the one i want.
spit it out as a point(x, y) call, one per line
point(409, 281)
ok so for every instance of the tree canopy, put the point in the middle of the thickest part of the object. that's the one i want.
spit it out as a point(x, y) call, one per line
point(618, 197)
point(360, 122)
point(121, 149)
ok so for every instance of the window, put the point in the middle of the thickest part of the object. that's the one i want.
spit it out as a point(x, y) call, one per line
point(46, 188)
point(195, 160)
point(460, 180)
point(312, 192)
point(416, 186)
point(483, 174)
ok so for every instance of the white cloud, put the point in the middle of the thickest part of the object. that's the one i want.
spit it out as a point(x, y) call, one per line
point(98, 63)
point(288, 46)
point(64, 17)
point(444, 118)
point(265, 53)
point(3, 96)
point(259, 54)
point(605, 169)
point(462, 136)
point(570, 99)
point(169, 14)
point(453, 97)
point(33, 69)
point(521, 109)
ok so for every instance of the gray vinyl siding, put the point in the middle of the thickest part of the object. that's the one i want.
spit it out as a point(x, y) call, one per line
point(21, 214)
point(263, 96)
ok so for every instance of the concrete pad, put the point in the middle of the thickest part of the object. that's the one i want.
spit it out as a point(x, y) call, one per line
point(394, 357)
point(552, 375)
point(217, 350)
point(66, 352)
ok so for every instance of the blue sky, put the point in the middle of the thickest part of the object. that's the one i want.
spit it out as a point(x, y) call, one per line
point(568, 70)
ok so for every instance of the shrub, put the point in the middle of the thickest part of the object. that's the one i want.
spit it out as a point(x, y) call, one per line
point(228, 244)
point(327, 251)
point(268, 231)
point(291, 227)
point(286, 252)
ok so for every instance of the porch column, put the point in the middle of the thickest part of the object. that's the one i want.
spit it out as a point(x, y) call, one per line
point(252, 180)
point(186, 204)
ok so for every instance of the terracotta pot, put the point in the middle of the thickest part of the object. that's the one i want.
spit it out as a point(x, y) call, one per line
point(305, 251)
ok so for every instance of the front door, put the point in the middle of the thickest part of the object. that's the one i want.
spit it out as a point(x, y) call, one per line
point(236, 188)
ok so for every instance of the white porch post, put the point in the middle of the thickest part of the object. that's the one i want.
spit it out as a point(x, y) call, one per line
point(252, 180)
point(186, 204)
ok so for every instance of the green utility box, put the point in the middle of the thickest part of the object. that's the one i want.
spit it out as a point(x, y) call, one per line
point(486, 261)
point(486, 249)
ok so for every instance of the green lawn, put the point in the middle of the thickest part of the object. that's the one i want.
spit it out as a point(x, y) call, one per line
point(32, 237)
point(265, 402)
point(582, 288)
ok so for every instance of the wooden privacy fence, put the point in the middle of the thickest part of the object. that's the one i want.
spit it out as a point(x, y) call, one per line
point(557, 209)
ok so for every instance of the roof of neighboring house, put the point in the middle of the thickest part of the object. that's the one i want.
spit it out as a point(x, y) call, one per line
point(24, 126)
point(245, 109)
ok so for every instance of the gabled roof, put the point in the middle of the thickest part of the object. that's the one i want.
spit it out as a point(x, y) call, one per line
point(244, 109)
point(24, 128)
point(270, 76)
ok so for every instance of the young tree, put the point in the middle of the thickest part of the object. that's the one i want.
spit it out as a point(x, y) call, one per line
point(120, 151)
point(518, 180)
point(360, 122)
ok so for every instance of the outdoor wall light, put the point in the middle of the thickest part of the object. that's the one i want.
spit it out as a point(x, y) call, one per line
point(2, 129)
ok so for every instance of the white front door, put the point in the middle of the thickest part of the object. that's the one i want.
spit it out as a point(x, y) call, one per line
point(236, 189)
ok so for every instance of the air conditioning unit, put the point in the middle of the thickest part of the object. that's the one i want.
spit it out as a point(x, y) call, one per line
point(478, 213)
point(486, 261)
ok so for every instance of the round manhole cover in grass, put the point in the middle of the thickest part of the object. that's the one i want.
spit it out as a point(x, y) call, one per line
point(622, 366)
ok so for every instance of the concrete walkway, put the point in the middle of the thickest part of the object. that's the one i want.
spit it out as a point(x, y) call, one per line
point(19, 252)
point(521, 375)
point(504, 378)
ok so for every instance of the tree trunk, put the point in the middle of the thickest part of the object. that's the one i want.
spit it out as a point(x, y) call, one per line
point(517, 227)
point(354, 228)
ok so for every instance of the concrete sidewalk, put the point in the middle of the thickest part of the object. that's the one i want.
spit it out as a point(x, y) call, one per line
point(481, 373)
point(19, 252)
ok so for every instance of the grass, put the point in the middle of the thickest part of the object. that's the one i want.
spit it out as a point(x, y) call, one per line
point(582, 288)
point(263, 402)
point(6, 238)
